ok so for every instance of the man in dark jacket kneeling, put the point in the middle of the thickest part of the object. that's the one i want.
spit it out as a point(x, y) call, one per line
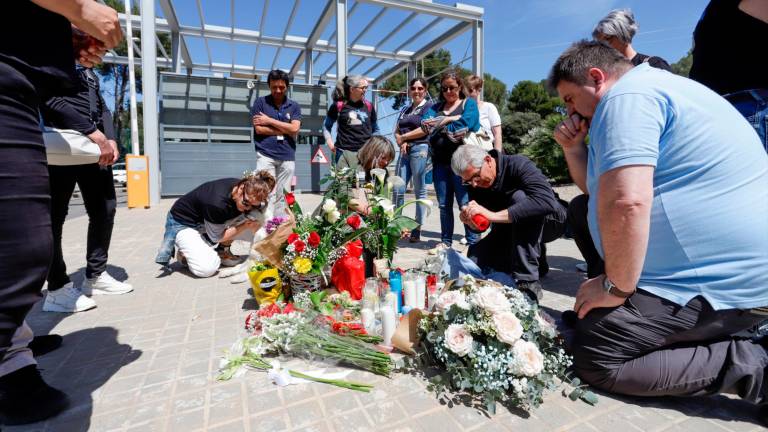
point(516, 198)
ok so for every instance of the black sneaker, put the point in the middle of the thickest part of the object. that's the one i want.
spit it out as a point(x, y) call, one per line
point(532, 289)
point(42, 345)
point(25, 398)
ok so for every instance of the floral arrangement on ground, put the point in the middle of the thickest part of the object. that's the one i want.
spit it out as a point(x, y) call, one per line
point(492, 343)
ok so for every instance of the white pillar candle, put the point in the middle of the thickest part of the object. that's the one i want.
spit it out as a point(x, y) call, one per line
point(409, 292)
point(421, 291)
point(390, 301)
point(368, 318)
point(388, 323)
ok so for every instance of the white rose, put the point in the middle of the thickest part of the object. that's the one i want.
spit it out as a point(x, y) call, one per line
point(547, 327)
point(508, 327)
point(332, 216)
point(329, 205)
point(491, 299)
point(458, 339)
point(528, 359)
point(450, 298)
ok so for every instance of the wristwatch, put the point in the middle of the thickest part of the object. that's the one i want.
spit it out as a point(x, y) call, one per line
point(611, 288)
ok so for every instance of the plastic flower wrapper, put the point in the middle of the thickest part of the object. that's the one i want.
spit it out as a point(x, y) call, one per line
point(492, 343)
point(307, 334)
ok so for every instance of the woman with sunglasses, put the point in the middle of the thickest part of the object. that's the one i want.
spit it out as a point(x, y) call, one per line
point(215, 212)
point(446, 123)
point(414, 152)
point(355, 120)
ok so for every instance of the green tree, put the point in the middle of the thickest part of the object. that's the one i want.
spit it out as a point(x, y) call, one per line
point(529, 96)
point(514, 126)
point(539, 144)
point(117, 76)
point(494, 91)
point(683, 66)
point(430, 67)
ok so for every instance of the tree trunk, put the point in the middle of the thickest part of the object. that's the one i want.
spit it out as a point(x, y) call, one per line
point(123, 70)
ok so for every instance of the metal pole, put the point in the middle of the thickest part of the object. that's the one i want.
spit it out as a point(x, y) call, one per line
point(477, 48)
point(132, 80)
point(308, 72)
point(341, 39)
point(150, 106)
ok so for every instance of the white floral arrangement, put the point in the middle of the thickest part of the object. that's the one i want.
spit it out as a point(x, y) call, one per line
point(491, 342)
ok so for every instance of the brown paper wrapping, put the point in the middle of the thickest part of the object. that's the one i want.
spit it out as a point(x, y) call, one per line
point(271, 247)
point(406, 336)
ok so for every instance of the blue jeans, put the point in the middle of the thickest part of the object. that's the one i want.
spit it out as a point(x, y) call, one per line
point(168, 246)
point(448, 185)
point(753, 104)
point(414, 166)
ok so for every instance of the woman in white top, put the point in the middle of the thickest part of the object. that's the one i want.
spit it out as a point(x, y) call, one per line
point(490, 121)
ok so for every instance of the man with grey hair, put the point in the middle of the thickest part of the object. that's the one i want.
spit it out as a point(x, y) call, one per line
point(617, 29)
point(677, 180)
point(513, 194)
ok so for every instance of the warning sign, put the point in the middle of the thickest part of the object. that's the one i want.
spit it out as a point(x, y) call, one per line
point(319, 157)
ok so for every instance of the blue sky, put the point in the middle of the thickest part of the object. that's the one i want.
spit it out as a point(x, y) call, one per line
point(522, 37)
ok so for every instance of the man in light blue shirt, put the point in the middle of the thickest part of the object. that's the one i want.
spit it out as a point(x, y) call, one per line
point(678, 186)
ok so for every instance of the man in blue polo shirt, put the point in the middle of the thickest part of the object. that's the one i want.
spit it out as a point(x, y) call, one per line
point(276, 122)
point(678, 209)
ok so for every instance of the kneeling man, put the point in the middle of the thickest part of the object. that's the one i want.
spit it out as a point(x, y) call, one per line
point(513, 194)
point(678, 208)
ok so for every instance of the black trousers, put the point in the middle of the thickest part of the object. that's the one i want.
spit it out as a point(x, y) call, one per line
point(577, 220)
point(652, 347)
point(25, 219)
point(98, 192)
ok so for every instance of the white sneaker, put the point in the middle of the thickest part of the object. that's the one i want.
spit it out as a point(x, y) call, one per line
point(463, 240)
point(105, 284)
point(67, 299)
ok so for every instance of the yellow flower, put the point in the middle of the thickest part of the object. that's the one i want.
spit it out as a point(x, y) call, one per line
point(302, 265)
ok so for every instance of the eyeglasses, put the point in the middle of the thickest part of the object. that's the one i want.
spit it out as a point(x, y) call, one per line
point(450, 89)
point(364, 88)
point(471, 181)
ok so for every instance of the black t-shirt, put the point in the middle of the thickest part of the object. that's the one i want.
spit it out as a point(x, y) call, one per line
point(36, 61)
point(355, 124)
point(441, 146)
point(654, 61)
point(37, 43)
point(410, 119)
point(729, 49)
point(210, 202)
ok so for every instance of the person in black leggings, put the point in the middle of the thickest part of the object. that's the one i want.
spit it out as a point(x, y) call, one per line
point(34, 64)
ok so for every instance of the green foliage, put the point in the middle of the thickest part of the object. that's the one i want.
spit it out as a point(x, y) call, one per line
point(683, 66)
point(494, 91)
point(539, 144)
point(514, 126)
point(529, 96)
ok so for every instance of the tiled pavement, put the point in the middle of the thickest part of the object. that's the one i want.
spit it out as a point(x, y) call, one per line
point(145, 361)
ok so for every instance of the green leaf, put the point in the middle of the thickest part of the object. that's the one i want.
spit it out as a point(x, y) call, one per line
point(589, 397)
point(575, 394)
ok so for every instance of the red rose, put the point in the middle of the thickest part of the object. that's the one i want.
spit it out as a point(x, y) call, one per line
point(354, 221)
point(290, 199)
point(314, 239)
point(289, 308)
point(299, 246)
point(292, 238)
point(268, 311)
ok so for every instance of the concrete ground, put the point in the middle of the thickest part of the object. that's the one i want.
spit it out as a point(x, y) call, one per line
point(145, 361)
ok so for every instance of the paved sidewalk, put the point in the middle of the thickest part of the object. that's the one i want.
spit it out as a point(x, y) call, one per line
point(146, 361)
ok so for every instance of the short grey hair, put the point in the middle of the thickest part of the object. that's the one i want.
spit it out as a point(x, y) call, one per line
point(465, 156)
point(575, 62)
point(619, 23)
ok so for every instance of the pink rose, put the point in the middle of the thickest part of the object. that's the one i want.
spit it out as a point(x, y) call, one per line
point(458, 339)
point(508, 327)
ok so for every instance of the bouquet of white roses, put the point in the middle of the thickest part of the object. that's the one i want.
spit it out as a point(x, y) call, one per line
point(493, 343)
